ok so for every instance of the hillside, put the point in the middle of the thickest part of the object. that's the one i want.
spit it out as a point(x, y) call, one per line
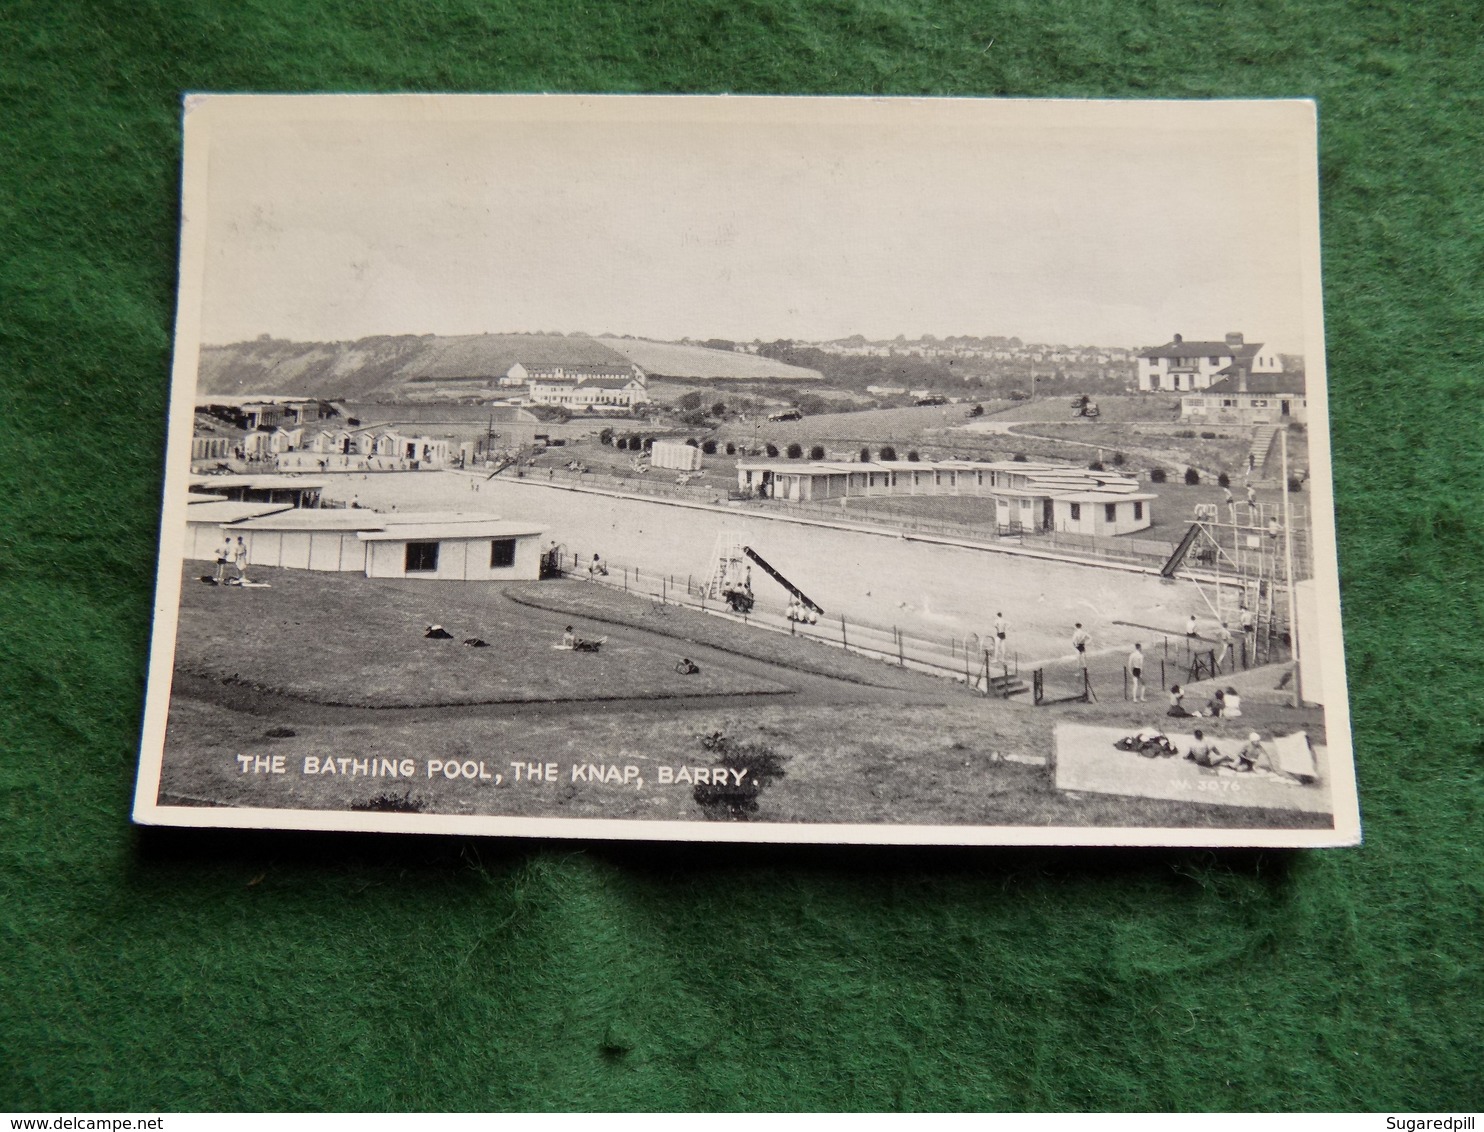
point(671, 359)
point(373, 368)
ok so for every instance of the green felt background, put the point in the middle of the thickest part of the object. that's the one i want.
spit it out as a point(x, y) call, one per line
point(183, 971)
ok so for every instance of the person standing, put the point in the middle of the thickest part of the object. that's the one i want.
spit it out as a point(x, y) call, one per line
point(223, 556)
point(1080, 637)
point(1231, 505)
point(1000, 629)
point(239, 559)
point(1190, 626)
point(1136, 673)
point(1224, 635)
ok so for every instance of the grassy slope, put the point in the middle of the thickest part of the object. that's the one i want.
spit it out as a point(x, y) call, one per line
point(346, 639)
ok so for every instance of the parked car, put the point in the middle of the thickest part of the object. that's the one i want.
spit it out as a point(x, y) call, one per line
point(786, 415)
point(932, 399)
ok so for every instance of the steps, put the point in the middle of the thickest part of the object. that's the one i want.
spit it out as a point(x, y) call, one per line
point(1262, 445)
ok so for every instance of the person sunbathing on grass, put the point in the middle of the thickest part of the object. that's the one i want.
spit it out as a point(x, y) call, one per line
point(570, 640)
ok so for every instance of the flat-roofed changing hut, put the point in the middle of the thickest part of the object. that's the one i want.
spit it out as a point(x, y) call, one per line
point(447, 545)
point(1027, 496)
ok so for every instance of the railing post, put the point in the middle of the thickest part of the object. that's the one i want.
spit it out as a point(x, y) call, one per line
point(844, 644)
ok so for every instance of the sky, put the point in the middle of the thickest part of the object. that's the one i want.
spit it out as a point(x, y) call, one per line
point(738, 218)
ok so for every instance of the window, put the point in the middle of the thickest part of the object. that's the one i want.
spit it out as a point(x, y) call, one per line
point(422, 557)
point(1076, 512)
point(1214, 361)
point(502, 552)
point(1138, 508)
point(1110, 512)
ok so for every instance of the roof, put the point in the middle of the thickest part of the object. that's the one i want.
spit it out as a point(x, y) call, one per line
point(1291, 384)
point(1105, 496)
point(1041, 479)
point(259, 399)
point(316, 519)
point(486, 528)
point(225, 511)
point(196, 498)
point(259, 482)
point(1195, 350)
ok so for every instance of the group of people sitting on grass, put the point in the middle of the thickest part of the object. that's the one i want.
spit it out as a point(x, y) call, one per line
point(1154, 744)
point(1223, 704)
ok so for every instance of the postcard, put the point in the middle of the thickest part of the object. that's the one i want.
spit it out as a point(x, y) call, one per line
point(750, 469)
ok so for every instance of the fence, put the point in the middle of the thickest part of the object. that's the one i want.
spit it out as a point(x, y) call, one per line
point(962, 658)
point(1177, 661)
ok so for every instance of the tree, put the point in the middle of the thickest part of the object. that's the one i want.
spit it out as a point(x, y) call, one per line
point(635, 443)
point(865, 455)
point(795, 450)
point(1156, 475)
point(1295, 483)
point(817, 452)
point(887, 452)
point(1119, 459)
point(621, 444)
point(1224, 480)
point(771, 450)
point(606, 436)
point(1019, 457)
point(719, 409)
point(913, 456)
point(731, 448)
point(691, 400)
point(1192, 477)
point(708, 446)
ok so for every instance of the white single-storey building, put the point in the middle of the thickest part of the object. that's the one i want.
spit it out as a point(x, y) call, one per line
point(432, 544)
point(1026, 496)
point(676, 454)
point(1247, 399)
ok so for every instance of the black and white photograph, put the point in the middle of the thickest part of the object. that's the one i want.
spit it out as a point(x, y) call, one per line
point(760, 469)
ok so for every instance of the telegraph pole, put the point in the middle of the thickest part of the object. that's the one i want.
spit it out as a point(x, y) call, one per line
point(1298, 693)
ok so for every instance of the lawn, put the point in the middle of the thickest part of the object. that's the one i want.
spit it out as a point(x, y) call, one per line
point(943, 764)
point(347, 639)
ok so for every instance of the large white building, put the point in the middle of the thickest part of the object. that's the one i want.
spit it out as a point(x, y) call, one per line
point(1026, 497)
point(1182, 367)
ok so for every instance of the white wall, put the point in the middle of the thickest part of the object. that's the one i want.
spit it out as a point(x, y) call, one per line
point(459, 559)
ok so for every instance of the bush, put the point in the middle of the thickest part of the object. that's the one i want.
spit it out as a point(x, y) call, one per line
point(691, 400)
point(1224, 480)
point(621, 443)
point(795, 450)
point(888, 452)
point(1095, 466)
point(634, 442)
point(606, 436)
point(692, 441)
point(1192, 477)
point(648, 443)
point(772, 450)
point(865, 455)
point(709, 447)
point(731, 448)
point(719, 409)
point(913, 456)
point(1019, 457)
point(817, 452)
point(1208, 436)
point(1295, 483)
point(1184, 433)
point(1119, 459)
point(1156, 475)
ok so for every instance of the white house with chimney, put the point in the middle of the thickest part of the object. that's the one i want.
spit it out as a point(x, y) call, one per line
point(1183, 367)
